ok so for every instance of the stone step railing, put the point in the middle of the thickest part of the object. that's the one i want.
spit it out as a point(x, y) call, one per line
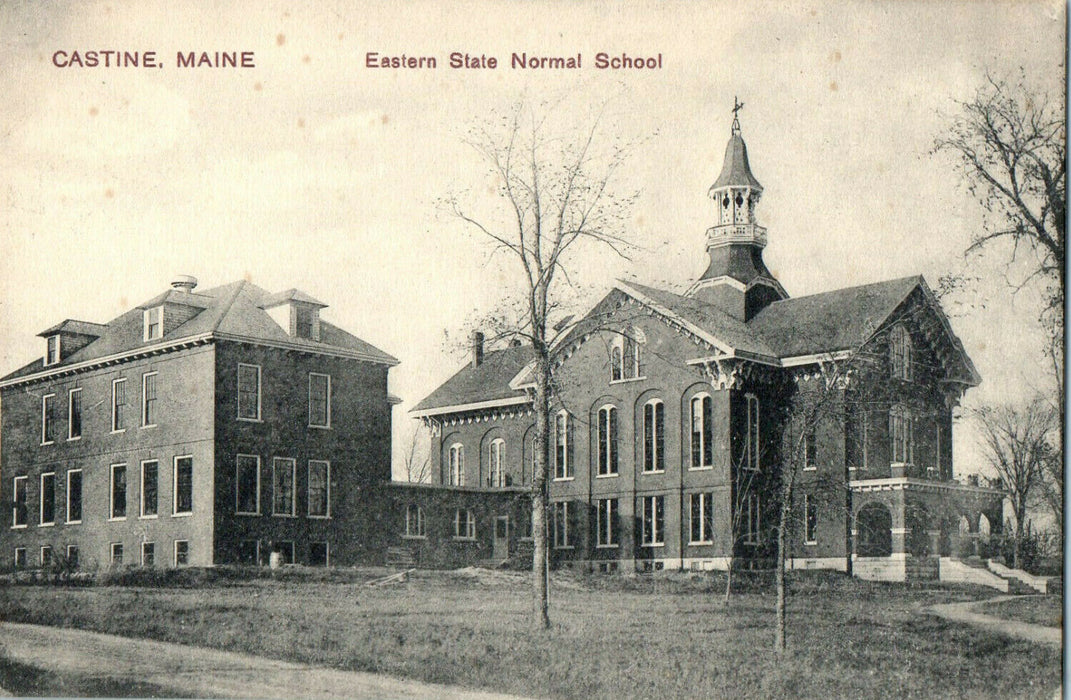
point(954, 571)
point(1037, 583)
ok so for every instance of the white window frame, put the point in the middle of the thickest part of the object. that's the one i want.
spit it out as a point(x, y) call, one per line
point(656, 441)
point(560, 509)
point(143, 546)
point(469, 524)
point(607, 513)
point(419, 531)
point(48, 350)
point(495, 463)
point(147, 321)
point(810, 442)
point(292, 513)
point(656, 537)
point(327, 552)
point(45, 548)
point(175, 512)
point(456, 463)
point(238, 393)
point(70, 414)
point(563, 468)
point(41, 522)
point(327, 424)
point(111, 492)
point(73, 561)
point(112, 550)
point(901, 435)
point(141, 496)
point(327, 489)
point(22, 551)
point(145, 399)
point(706, 515)
point(810, 536)
point(625, 360)
point(238, 482)
point(24, 480)
point(175, 549)
point(752, 434)
point(48, 418)
point(81, 496)
point(608, 443)
point(753, 519)
point(706, 432)
point(117, 413)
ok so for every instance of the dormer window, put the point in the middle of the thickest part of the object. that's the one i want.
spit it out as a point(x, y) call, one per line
point(900, 351)
point(303, 322)
point(154, 323)
point(52, 350)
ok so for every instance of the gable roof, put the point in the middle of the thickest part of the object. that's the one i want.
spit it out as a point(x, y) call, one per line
point(487, 381)
point(230, 312)
point(76, 327)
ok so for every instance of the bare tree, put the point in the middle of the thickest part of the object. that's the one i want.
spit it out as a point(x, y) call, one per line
point(417, 458)
point(1017, 443)
point(558, 195)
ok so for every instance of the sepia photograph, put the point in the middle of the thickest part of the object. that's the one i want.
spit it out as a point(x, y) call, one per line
point(533, 350)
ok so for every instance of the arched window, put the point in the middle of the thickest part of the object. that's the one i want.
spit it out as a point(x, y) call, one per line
point(563, 467)
point(902, 435)
point(414, 521)
point(751, 449)
point(654, 436)
point(457, 464)
point(616, 354)
point(702, 432)
point(607, 441)
point(625, 355)
point(900, 352)
point(495, 477)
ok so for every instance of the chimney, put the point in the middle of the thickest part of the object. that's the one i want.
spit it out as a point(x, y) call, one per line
point(185, 283)
point(477, 348)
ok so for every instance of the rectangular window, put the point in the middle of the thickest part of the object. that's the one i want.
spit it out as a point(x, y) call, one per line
point(606, 522)
point(20, 557)
point(249, 552)
point(560, 525)
point(118, 492)
point(563, 467)
point(607, 441)
point(319, 489)
point(702, 518)
point(810, 507)
point(72, 556)
point(74, 413)
point(653, 521)
point(318, 554)
point(150, 488)
point(48, 419)
point(48, 498)
point(283, 478)
point(752, 519)
point(182, 552)
point(702, 409)
point(810, 451)
point(247, 485)
point(654, 437)
point(74, 496)
point(52, 350)
point(18, 500)
point(154, 323)
point(752, 448)
point(183, 485)
point(286, 550)
point(148, 553)
point(117, 552)
point(118, 405)
point(46, 556)
point(901, 430)
point(464, 524)
point(319, 400)
point(526, 527)
point(148, 399)
point(248, 392)
point(414, 521)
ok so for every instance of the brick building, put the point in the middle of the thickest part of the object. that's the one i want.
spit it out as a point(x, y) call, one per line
point(672, 410)
point(202, 427)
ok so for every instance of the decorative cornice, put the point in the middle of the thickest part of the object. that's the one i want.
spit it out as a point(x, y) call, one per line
point(906, 483)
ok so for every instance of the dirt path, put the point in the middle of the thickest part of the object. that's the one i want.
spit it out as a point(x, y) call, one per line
point(964, 612)
point(200, 672)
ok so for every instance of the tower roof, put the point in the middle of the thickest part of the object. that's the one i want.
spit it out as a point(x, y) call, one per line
point(735, 169)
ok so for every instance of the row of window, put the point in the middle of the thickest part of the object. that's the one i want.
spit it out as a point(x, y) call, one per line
point(416, 523)
point(181, 489)
point(249, 404)
point(284, 476)
point(180, 555)
point(653, 431)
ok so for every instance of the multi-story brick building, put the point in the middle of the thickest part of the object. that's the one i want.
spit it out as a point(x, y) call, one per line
point(202, 427)
point(671, 414)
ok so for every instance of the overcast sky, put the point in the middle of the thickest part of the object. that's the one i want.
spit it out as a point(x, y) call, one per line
point(314, 171)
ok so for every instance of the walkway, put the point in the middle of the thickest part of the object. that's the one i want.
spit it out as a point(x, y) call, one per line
point(200, 672)
point(963, 612)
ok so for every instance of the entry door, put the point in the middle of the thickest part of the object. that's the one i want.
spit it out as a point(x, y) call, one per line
point(500, 547)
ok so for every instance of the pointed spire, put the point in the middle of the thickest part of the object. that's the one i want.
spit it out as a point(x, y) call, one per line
point(735, 169)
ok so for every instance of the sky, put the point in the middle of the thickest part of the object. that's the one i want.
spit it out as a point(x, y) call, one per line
point(313, 170)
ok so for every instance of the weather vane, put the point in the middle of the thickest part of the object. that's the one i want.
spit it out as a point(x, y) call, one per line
point(737, 106)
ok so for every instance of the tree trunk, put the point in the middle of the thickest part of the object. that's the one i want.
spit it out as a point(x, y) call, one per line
point(540, 546)
point(729, 580)
point(780, 645)
point(1017, 549)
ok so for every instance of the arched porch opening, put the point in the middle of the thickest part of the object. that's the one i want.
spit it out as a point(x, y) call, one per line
point(873, 524)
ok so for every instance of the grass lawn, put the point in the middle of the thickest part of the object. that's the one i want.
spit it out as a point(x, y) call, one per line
point(612, 636)
point(1045, 610)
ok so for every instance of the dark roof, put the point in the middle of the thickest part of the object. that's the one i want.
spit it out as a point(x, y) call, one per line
point(176, 296)
point(735, 169)
point(488, 381)
point(842, 319)
point(290, 295)
point(77, 327)
point(232, 309)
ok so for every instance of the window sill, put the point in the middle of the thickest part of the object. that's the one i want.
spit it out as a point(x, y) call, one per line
point(607, 546)
point(653, 544)
point(319, 517)
point(563, 478)
point(247, 513)
point(626, 380)
point(18, 527)
point(74, 439)
point(607, 476)
point(414, 537)
point(810, 469)
point(117, 519)
point(117, 431)
point(705, 468)
point(702, 543)
point(51, 524)
point(320, 427)
point(155, 516)
point(249, 420)
point(185, 514)
point(150, 425)
point(48, 442)
point(74, 522)
point(285, 516)
point(810, 543)
point(564, 547)
point(646, 472)
point(464, 539)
